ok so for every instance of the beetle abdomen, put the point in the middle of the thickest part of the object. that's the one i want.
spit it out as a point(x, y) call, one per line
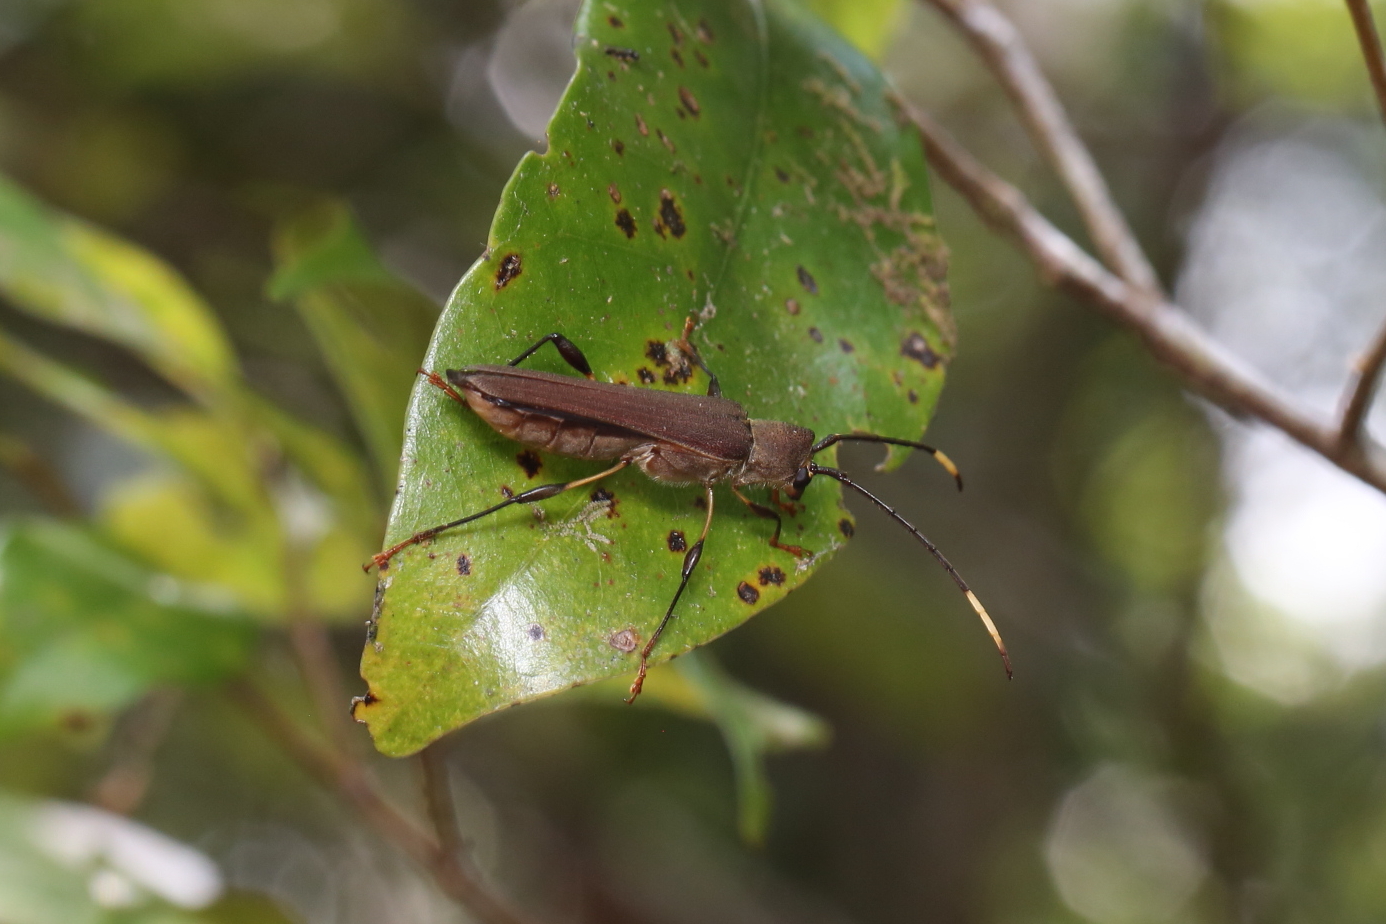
point(578, 438)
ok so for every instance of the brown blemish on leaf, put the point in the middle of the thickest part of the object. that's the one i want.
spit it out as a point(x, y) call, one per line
point(666, 142)
point(645, 375)
point(640, 124)
point(603, 496)
point(676, 34)
point(529, 461)
point(845, 527)
point(676, 541)
point(781, 175)
point(553, 190)
point(615, 22)
point(917, 348)
point(815, 335)
point(770, 575)
point(510, 267)
point(913, 396)
point(791, 305)
point(705, 32)
point(702, 59)
point(806, 280)
point(624, 55)
point(626, 640)
point(747, 593)
point(625, 223)
point(846, 345)
point(678, 58)
point(619, 147)
point(464, 565)
point(670, 214)
point(614, 192)
point(535, 632)
point(657, 352)
point(506, 492)
point(690, 102)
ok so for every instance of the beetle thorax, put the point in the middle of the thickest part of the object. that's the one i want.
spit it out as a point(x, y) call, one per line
point(778, 451)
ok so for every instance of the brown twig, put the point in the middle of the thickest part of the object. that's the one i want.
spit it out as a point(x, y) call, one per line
point(1370, 41)
point(357, 786)
point(142, 729)
point(994, 38)
point(1166, 329)
point(441, 808)
point(1361, 387)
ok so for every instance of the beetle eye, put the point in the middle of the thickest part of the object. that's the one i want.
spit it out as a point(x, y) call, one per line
point(801, 480)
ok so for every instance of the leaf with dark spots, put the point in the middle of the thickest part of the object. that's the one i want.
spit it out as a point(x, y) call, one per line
point(676, 541)
point(624, 55)
point(849, 204)
point(771, 574)
point(806, 280)
point(846, 346)
point(615, 22)
point(536, 632)
point(669, 213)
point(464, 564)
point(614, 192)
point(912, 396)
point(625, 222)
point(847, 528)
point(608, 499)
point(690, 102)
point(678, 58)
point(530, 462)
point(553, 190)
point(509, 268)
point(917, 348)
point(676, 34)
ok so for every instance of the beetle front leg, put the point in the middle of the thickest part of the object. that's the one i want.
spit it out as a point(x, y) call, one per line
point(761, 510)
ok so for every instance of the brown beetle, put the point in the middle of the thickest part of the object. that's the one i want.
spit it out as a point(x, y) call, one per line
point(672, 437)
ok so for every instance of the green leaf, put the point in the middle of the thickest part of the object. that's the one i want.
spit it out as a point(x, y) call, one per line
point(753, 725)
point(65, 271)
point(868, 24)
point(85, 631)
point(370, 326)
point(726, 160)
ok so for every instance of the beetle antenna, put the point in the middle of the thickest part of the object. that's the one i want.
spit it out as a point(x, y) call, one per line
point(938, 455)
point(817, 469)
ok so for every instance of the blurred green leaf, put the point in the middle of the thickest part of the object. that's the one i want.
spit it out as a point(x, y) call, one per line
point(370, 326)
point(67, 272)
point(754, 726)
point(868, 24)
point(85, 631)
point(731, 161)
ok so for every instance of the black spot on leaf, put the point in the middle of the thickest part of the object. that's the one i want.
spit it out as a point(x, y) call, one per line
point(917, 348)
point(509, 268)
point(690, 102)
point(677, 543)
point(464, 565)
point(624, 55)
point(530, 462)
point(771, 575)
point(625, 223)
point(815, 335)
point(619, 147)
point(845, 527)
point(806, 280)
point(670, 214)
point(645, 375)
point(747, 593)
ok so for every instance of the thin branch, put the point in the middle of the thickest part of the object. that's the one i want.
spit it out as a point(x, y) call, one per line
point(442, 811)
point(1361, 387)
point(994, 38)
point(1370, 41)
point(1166, 329)
point(357, 786)
point(142, 729)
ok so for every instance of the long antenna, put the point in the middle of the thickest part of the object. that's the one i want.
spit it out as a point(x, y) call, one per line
point(817, 469)
point(938, 455)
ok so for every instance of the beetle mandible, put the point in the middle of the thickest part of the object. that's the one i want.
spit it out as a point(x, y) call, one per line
point(672, 437)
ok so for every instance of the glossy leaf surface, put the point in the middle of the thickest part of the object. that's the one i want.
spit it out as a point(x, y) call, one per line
point(732, 161)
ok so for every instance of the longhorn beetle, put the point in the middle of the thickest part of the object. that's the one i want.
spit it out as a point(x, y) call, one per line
point(672, 437)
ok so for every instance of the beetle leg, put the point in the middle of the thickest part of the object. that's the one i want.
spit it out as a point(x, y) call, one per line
point(714, 387)
point(690, 561)
point(789, 507)
point(543, 492)
point(566, 348)
point(437, 380)
point(761, 510)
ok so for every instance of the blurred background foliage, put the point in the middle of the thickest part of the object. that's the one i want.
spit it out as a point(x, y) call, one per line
point(194, 465)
